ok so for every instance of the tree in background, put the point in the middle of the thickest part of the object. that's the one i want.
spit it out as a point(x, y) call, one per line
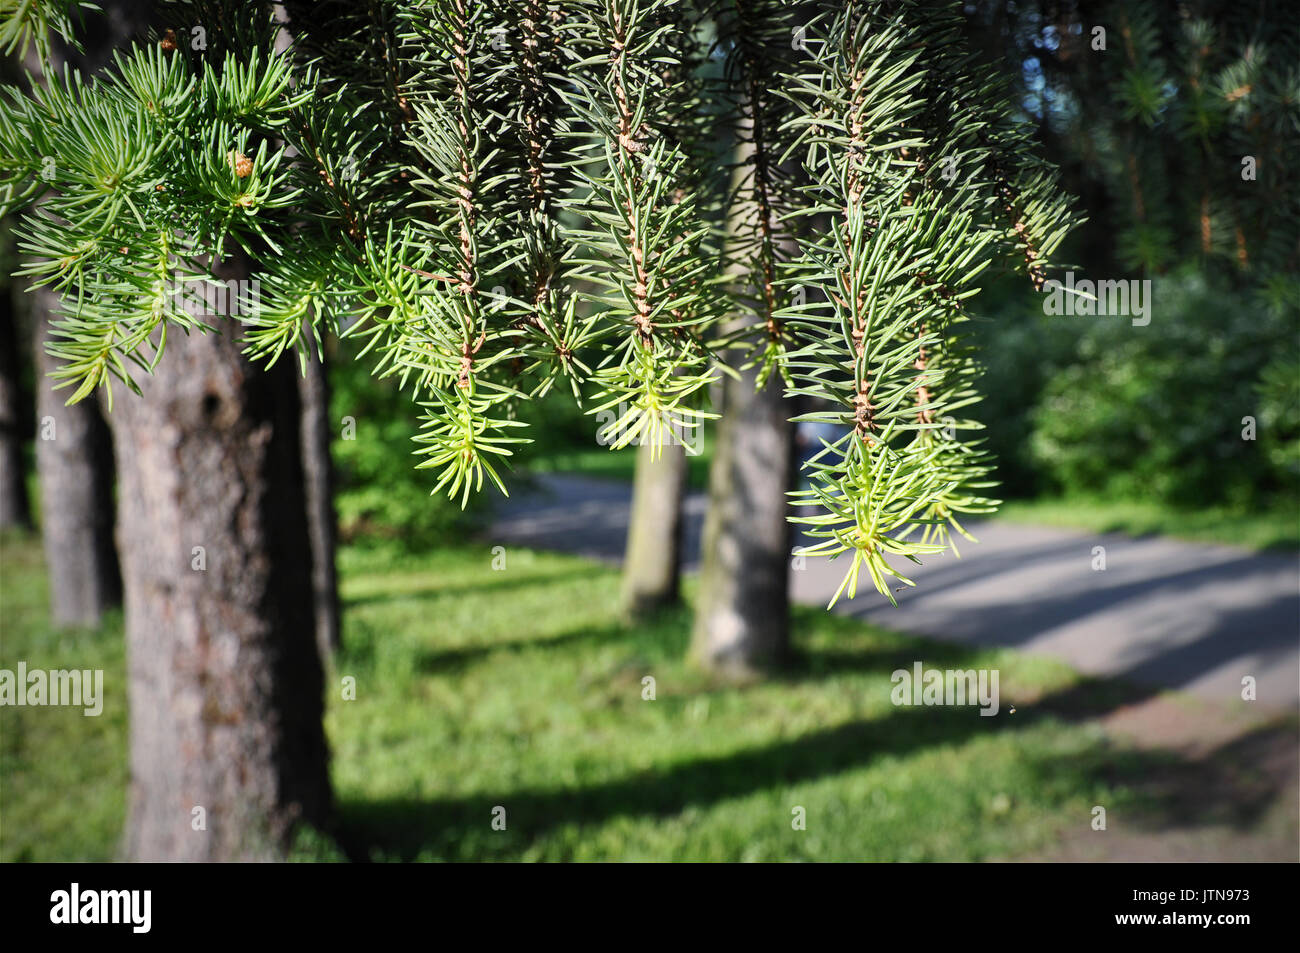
point(74, 459)
point(1177, 122)
point(318, 495)
point(319, 483)
point(742, 617)
point(74, 454)
point(495, 245)
point(686, 115)
point(15, 509)
point(652, 559)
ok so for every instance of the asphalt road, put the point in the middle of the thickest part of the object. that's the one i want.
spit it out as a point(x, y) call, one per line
point(1163, 613)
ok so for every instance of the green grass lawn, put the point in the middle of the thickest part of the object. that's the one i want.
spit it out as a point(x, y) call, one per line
point(1278, 528)
point(519, 688)
point(63, 775)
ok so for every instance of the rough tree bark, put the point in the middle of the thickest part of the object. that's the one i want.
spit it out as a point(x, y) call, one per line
point(74, 461)
point(15, 510)
point(318, 485)
point(225, 679)
point(652, 560)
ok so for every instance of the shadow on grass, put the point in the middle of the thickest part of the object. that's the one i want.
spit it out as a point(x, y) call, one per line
point(406, 828)
point(1233, 785)
point(1170, 789)
point(661, 638)
point(457, 660)
point(460, 587)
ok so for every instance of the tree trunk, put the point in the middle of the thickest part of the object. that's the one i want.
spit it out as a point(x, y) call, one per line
point(742, 618)
point(15, 511)
point(228, 753)
point(74, 461)
point(318, 485)
point(652, 561)
point(74, 457)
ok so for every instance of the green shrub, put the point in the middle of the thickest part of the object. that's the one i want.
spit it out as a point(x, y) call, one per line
point(380, 496)
point(1279, 413)
point(1156, 412)
point(1020, 351)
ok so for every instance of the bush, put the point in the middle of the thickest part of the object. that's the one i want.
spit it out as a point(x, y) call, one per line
point(1279, 413)
point(380, 496)
point(1020, 351)
point(1156, 412)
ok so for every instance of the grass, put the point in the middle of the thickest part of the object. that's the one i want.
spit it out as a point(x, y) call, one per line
point(1277, 528)
point(520, 689)
point(63, 775)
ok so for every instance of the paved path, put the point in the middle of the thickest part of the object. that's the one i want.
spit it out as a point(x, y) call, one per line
point(1164, 612)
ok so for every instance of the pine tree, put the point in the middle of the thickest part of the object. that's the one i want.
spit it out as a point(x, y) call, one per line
point(510, 195)
point(1178, 120)
point(219, 610)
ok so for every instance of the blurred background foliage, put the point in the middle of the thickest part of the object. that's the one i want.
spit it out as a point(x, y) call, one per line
point(1150, 133)
point(380, 498)
point(383, 500)
point(1095, 406)
point(1151, 121)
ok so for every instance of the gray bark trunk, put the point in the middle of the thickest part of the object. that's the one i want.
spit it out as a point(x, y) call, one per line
point(15, 510)
point(742, 617)
point(74, 462)
point(652, 560)
point(225, 682)
point(318, 484)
